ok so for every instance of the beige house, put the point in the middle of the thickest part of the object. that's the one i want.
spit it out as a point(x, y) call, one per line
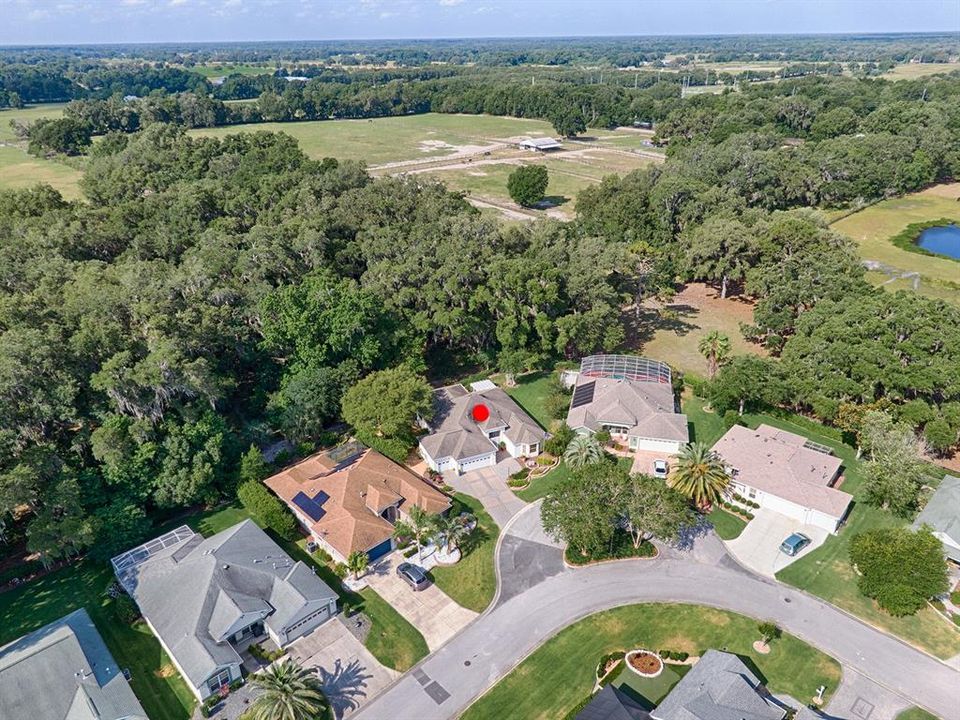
point(786, 473)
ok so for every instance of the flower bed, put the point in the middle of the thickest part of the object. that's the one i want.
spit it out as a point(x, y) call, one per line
point(645, 663)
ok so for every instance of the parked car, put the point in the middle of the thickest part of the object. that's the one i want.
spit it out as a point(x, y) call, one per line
point(413, 575)
point(794, 544)
point(660, 468)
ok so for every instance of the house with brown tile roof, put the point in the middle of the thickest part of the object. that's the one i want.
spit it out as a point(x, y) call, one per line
point(349, 499)
point(785, 472)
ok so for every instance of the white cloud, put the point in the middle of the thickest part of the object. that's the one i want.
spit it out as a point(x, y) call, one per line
point(450, 3)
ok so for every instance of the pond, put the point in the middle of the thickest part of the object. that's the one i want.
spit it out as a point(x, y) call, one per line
point(943, 240)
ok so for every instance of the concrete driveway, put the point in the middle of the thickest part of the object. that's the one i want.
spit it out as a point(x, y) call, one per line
point(758, 546)
point(431, 611)
point(350, 675)
point(643, 460)
point(489, 486)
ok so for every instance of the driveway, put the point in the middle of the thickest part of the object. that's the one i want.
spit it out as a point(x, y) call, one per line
point(643, 460)
point(431, 611)
point(489, 486)
point(758, 546)
point(861, 699)
point(350, 675)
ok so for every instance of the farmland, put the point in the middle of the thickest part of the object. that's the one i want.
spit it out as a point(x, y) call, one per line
point(18, 169)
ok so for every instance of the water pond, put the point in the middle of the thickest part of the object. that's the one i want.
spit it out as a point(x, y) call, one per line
point(943, 240)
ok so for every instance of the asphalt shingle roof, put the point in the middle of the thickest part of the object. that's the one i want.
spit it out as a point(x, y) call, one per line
point(64, 671)
point(612, 704)
point(718, 687)
point(193, 592)
point(942, 513)
point(646, 408)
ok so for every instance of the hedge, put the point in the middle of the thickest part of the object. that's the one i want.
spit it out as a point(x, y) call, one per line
point(267, 510)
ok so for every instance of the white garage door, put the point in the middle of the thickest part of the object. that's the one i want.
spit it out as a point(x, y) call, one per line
point(476, 463)
point(665, 446)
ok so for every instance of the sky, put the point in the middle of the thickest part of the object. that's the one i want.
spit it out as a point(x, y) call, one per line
point(107, 21)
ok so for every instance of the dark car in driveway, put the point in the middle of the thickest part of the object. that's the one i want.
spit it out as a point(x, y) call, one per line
point(413, 575)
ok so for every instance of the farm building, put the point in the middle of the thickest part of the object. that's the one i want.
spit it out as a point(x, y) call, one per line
point(540, 144)
point(786, 473)
point(349, 498)
point(469, 426)
point(630, 397)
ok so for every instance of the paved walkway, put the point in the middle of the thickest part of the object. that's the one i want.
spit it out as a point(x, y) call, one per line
point(431, 611)
point(489, 486)
point(348, 672)
point(544, 599)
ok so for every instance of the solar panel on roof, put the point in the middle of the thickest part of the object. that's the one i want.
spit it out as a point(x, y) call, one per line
point(320, 498)
point(313, 511)
point(583, 394)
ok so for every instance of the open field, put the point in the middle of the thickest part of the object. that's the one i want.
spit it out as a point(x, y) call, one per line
point(911, 71)
point(212, 70)
point(826, 572)
point(18, 169)
point(550, 683)
point(873, 227)
point(671, 333)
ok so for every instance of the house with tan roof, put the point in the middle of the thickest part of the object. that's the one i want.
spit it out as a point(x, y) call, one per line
point(630, 397)
point(786, 473)
point(349, 498)
point(469, 426)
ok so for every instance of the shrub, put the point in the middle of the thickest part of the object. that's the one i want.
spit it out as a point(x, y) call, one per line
point(520, 474)
point(410, 552)
point(126, 609)
point(731, 418)
point(396, 449)
point(748, 515)
point(341, 570)
point(236, 684)
point(769, 631)
point(267, 510)
point(517, 483)
point(263, 655)
point(681, 656)
point(602, 436)
point(323, 556)
point(561, 438)
point(956, 619)
point(955, 597)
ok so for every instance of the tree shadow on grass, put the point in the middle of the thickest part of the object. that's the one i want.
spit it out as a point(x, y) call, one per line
point(641, 324)
point(551, 201)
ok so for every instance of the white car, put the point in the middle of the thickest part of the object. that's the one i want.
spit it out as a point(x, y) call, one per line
point(660, 468)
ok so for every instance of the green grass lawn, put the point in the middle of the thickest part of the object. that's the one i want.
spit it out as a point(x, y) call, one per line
point(649, 691)
point(159, 687)
point(472, 582)
point(826, 572)
point(531, 393)
point(873, 227)
point(916, 713)
point(543, 486)
point(705, 427)
point(727, 525)
point(19, 170)
point(558, 675)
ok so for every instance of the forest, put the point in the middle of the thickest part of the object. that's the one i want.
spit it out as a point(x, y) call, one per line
point(212, 295)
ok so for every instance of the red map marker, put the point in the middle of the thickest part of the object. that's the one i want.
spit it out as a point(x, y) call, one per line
point(480, 412)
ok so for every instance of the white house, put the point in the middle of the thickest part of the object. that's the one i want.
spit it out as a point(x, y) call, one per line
point(469, 426)
point(632, 398)
point(786, 473)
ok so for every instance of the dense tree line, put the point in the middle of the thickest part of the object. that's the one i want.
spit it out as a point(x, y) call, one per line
point(211, 291)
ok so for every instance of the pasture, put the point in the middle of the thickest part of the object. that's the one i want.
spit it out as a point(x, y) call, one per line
point(213, 70)
point(18, 169)
point(873, 227)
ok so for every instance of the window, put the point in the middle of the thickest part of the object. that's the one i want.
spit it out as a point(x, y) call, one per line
point(219, 680)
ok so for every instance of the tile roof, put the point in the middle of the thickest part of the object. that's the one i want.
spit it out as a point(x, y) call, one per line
point(646, 408)
point(454, 433)
point(781, 463)
point(358, 489)
point(942, 513)
point(198, 591)
point(64, 671)
point(718, 687)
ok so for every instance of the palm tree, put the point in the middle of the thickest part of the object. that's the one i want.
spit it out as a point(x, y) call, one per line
point(357, 562)
point(290, 692)
point(451, 531)
point(715, 347)
point(699, 474)
point(582, 450)
point(422, 523)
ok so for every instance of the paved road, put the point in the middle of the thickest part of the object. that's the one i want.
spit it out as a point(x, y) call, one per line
point(448, 681)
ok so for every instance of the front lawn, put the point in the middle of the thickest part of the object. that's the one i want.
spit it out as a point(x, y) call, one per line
point(650, 691)
point(560, 674)
point(471, 582)
point(727, 525)
point(916, 713)
point(542, 486)
point(826, 571)
point(156, 682)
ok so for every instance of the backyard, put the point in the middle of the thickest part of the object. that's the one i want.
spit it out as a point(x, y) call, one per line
point(472, 582)
point(560, 674)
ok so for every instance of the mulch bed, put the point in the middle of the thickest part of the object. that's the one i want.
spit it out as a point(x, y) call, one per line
point(646, 663)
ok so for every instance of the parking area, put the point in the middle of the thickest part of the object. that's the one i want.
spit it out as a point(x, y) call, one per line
point(350, 675)
point(758, 546)
point(431, 611)
point(643, 460)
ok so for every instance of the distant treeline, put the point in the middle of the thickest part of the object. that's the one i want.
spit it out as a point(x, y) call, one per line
point(613, 51)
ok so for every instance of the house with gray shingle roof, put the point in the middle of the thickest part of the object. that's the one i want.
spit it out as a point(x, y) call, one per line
point(719, 687)
point(64, 671)
point(468, 426)
point(202, 597)
point(942, 513)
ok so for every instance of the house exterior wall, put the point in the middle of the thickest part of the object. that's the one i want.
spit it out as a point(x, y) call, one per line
point(204, 691)
point(804, 515)
point(464, 465)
